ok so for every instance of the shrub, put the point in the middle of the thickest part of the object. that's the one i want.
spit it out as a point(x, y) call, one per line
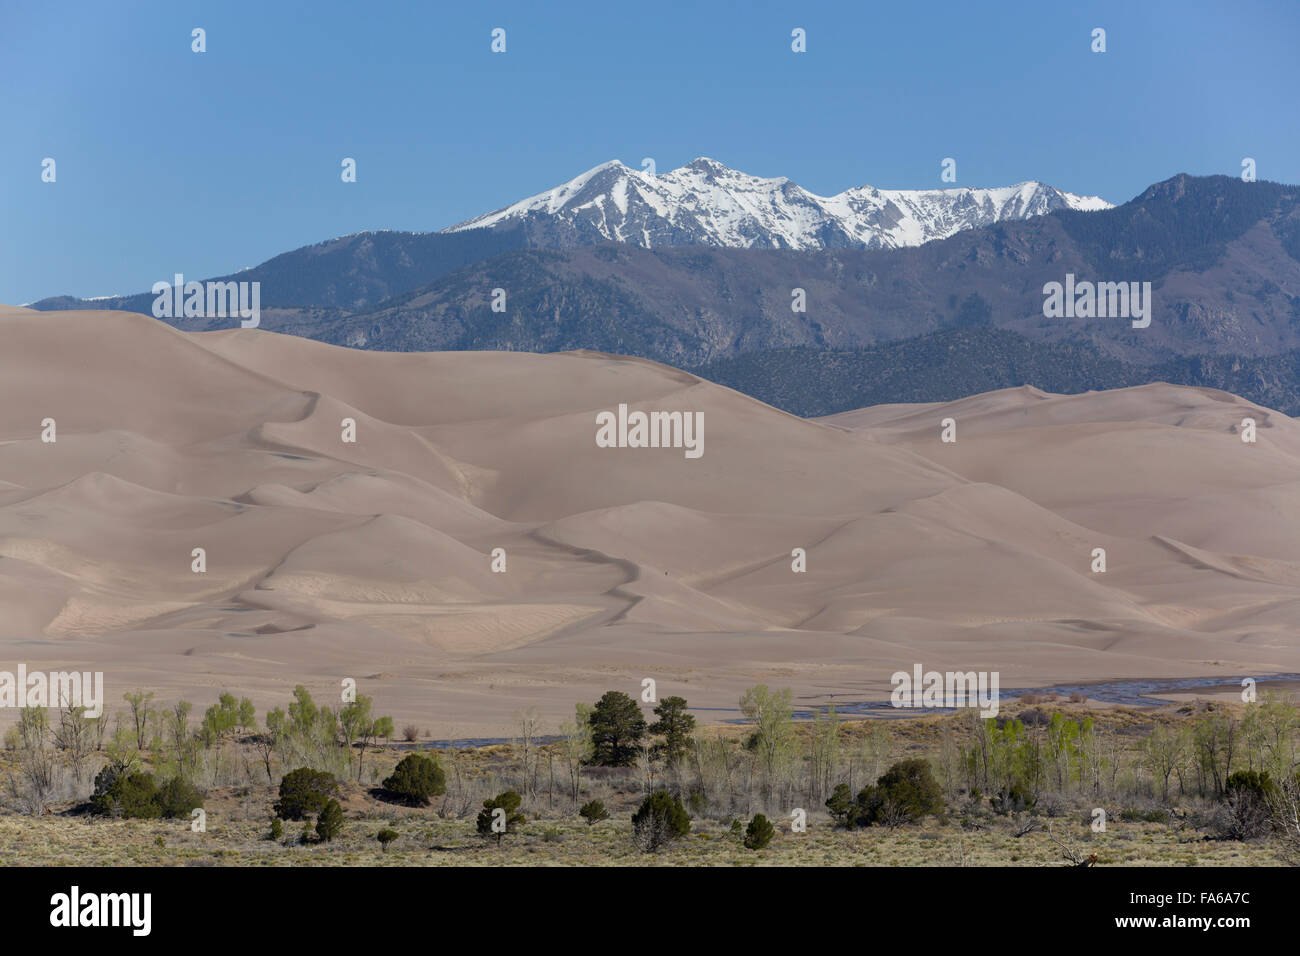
point(593, 812)
point(660, 820)
point(132, 796)
point(277, 829)
point(177, 797)
point(417, 778)
point(1245, 813)
point(385, 837)
point(410, 733)
point(841, 806)
point(330, 822)
point(490, 822)
point(759, 833)
point(1013, 800)
point(304, 792)
point(903, 794)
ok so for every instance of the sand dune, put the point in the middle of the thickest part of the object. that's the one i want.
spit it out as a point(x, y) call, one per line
point(378, 558)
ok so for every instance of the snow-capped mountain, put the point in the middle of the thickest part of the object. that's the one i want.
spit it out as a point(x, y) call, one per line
point(708, 204)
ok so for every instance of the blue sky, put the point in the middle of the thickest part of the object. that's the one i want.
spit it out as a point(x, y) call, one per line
point(171, 161)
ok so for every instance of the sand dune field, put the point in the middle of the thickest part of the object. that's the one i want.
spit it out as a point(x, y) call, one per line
point(373, 559)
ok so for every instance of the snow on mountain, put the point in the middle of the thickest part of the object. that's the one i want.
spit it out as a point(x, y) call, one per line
point(707, 203)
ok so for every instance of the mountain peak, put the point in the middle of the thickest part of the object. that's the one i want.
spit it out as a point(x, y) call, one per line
point(708, 203)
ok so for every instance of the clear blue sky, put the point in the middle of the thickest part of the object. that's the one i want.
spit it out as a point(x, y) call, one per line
point(170, 161)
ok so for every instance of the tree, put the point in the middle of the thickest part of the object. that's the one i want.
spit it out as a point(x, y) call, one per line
point(759, 833)
point(304, 792)
point(219, 719)
point(385, 837)
point(74, 736)
point(247, 718)
point(773, 714)
point(330, 822)
point(529, 725)
point(416, 778)
point(138, 701)
point(593, 812)
point(659, 821)
point(361, 728)
point(675, 725)
point(184, 745)
point(303, 712)
point(576, 746)
point(500, 815)
point(617, 727)
point(268, 742)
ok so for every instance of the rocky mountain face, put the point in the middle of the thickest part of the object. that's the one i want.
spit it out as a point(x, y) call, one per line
point(1222, 258)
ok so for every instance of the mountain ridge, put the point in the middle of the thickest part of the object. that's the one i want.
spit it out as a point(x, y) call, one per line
point(708, 203)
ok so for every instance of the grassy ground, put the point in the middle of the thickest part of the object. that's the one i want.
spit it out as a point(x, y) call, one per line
point(237, 825)
point(426, 840)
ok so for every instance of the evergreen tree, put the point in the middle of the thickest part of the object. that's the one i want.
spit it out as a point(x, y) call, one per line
point(617, 727)
point(675, 725)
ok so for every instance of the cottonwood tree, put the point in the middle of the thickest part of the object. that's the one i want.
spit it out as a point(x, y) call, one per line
point(773, 716)
point(1163, 752)
point(529, 725)
point(75, 736)
point(267, 742)
point(33, 789)
point(823, 754)
point(360, 728)
point(576, 746)
point(141, 715)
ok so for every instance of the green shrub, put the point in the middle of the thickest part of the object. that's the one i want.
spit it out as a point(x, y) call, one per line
point(593, 812)
point(330, 822)
point(759, 833)
point(1245, 813)
point(841, 806)
point(417, 778)
point(304, 792)
point(660, 820)
point(903, 794)
point(385, 837)
point(490, 823)
point(277, 829)
point(132, 796)
point(177, 797)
